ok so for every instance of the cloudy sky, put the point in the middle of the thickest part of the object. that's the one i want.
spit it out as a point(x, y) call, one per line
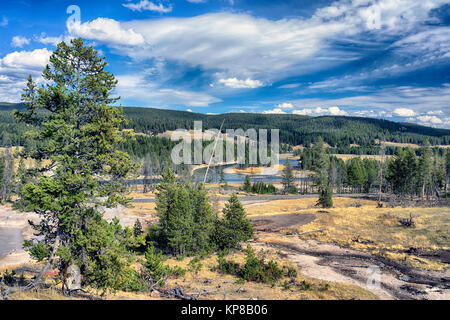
point(386, 59)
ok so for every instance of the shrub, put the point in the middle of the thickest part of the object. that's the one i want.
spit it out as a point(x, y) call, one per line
point(135, 282)
point(156, 269)
point(291, 273)
point(38, 251)
point(257, 270)
point(195, 265)
point(304, 285)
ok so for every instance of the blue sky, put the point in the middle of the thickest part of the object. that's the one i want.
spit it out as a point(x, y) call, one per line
point(386, 59)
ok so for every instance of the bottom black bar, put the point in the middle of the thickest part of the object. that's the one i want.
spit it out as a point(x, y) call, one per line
point(173, 310)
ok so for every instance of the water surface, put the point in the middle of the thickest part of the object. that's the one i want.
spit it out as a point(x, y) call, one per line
point(10, 239)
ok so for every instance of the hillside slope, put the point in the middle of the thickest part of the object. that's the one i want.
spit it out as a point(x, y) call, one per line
point(294, 129)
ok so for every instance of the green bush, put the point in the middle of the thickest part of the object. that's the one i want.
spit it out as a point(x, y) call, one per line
point(135, 282)
point(195, 265)
point(37, 251)
point(157, 270)
point(305, 286)
point(254, 269)
point(263, 188)
point(291, 273)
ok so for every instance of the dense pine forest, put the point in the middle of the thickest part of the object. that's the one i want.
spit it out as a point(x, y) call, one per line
point(337, 131)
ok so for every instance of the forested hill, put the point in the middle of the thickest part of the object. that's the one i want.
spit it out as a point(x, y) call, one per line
point(294, 129)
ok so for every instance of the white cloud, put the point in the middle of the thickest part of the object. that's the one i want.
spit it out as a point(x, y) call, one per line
point(289, 86)
point(303, 112)
point(19, 41)
point(430, 119)
point(371, 114)
point(274, 111)
point(403, 101)
point(435, 112)
point(106, 30)
point(285, 105)
point(147, 5)
point(238, 45)
point(333, 110)
point(26, 59)
point(404, 112)
point(43, 38)
point(243, 46)
point(196, 1)
point(15, 68)
point(393, 16)
point(136, 87)
point(240, 84)
point(429, 45)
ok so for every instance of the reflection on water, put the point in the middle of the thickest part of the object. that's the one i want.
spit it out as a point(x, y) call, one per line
point(213, 174)
point(10, 239)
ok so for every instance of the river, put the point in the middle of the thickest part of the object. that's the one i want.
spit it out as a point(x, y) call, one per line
point(236, 178)
point(10, 239)
point(240, 178)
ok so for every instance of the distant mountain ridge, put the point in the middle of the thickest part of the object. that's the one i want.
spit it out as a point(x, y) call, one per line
point(294, 129)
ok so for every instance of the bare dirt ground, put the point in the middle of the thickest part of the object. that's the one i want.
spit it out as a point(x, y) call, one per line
point(280, 221)
point(332, 263)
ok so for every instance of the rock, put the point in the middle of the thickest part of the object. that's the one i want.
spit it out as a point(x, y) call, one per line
point(404, 277)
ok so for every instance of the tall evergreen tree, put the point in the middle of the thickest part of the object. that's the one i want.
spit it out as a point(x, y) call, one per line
point(321, 178)
point(175, 212)
point(371, 168)
point(234, 227)
point(7, 176)
point(247, 187)
point(80, 169)
point(425, 169)
point(447, 171)
point(186, 217)
point(288, 179)
point(356, 173)
point(204, 219)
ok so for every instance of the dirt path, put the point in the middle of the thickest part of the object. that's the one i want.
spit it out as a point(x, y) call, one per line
point(333, 263)
point(281, 221)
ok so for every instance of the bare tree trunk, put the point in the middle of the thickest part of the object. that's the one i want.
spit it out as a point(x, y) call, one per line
point(47, 265)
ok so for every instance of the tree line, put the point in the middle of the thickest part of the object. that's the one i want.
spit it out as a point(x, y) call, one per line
point(422, 172)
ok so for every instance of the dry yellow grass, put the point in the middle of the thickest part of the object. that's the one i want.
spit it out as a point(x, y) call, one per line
point(140, 194)
point(142, 209)
point(410, 145)
point(344, 223)
point(225, 285)
point(346, 157)
point(306, 205)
